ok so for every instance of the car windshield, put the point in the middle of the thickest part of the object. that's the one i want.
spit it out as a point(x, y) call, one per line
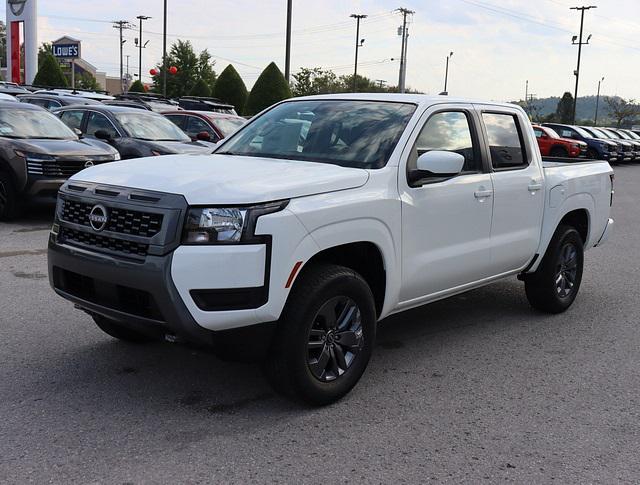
point(551, 132)
point(633, 135)
point(583, 133)
point(359, 134)
point(228, 125)
point(623, 135)
point(33, 123)
point(148, 126)
point(601, 134)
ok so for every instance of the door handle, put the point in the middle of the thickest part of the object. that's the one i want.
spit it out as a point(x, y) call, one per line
point(483, 194)
point(534, 186)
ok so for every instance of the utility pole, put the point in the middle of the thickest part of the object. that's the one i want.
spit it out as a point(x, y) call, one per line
point(526, 96)
point(579, 44)
point(446, 71)
point(121, 25)
point(595, 119)
point(403, 52)
point(381, 83)
point(126, 84)
point(287, 52)
point(164, 51)
point(140, 45)
point(358, 45)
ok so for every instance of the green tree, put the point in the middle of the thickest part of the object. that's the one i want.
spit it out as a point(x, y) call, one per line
point(191, 67)
point(49, 74)
point(231, 89)
point(87, 81)
point(44, 50)
point(137, 87)
point(622, 110)
point(3, 43)
point(564, 111)
point(310, 81)
point(269, 88)
point(200, 88)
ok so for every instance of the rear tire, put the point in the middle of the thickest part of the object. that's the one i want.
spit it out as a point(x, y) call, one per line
point(9, 200)
point(555, 284)
point(120, 332)
point(325, 336)
point(558, 152)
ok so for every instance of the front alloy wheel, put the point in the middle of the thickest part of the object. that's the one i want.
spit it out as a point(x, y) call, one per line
point(335, 338)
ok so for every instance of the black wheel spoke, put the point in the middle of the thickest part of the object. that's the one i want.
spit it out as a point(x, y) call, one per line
point(340, 359)
point(327, 316)
point(320, 365)
point(348, 339)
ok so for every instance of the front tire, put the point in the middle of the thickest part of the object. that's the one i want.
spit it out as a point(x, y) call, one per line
point(9, 201)
point(555, 284)
point(558, 152)
point(119, 331)
point(325, 336)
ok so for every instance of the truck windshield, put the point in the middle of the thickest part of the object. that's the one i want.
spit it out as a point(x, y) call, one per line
point(149, 126)
point(33, 123)
point(359, 134)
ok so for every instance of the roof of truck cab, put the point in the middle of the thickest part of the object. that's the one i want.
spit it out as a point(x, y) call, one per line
point(423, 99)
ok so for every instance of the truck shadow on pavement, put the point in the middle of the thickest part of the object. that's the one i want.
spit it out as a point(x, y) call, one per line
point(181, 382)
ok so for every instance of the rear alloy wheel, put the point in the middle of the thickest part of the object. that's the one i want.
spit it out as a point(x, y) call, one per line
point(555, 284)
point(325, 336)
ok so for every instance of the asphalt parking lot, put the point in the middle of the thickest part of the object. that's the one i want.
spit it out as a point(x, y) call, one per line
point(477, 388)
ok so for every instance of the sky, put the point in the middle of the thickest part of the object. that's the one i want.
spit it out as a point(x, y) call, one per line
point(498, 44)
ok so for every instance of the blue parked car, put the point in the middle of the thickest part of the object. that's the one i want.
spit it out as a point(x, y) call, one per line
point(598, 148)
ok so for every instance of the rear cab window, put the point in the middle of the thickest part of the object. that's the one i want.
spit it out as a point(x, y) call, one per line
point(505, 140)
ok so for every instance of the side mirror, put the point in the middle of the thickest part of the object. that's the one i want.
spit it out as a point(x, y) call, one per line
point(78, 132)
point(203, 136)
point(103, 135)
point(439, 163)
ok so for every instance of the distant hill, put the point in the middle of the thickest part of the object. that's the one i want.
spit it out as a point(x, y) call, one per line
point(585, 110)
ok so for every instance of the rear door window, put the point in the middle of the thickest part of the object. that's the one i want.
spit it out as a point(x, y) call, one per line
point(73, 119)
point(505, 141)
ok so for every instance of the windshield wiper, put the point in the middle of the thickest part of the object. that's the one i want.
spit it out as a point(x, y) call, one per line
point(225, 153)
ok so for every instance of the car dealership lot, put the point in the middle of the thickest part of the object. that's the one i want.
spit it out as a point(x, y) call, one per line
point(475, 387)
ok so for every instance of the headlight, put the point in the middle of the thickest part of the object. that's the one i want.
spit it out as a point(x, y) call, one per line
point(36, 157)
point(224, 225)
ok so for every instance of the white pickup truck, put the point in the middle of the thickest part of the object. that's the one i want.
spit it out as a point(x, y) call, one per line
point(317, 219)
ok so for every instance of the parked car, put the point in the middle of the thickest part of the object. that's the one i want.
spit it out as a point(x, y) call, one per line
point(37, 154)
point(551, 144)
point(621, 135)
point(53, 101)
point(13, 89)
point(632, 134)
point(133, 132)
point(77, 93)
point(291, 248)
point(597, 148)
point(197, 103)
point(625, 149)
point(206, 125)
point(128, 104)
point(148, 101)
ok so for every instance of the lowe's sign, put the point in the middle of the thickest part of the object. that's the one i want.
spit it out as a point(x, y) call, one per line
point(66, 51)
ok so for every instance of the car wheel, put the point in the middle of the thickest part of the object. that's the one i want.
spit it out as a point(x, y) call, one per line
point(554, 286)
point(325, 337)
point(119, 331)
point(9, 202)
point(558, 152)
point(592, 154)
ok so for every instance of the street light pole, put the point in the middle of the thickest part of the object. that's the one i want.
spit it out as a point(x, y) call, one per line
point(164, 51)
point(358, 45)
point(595, 119)
point(403, 51)
point(140, 18)
point(446, 71)
point(287, 52)
point(579, 44)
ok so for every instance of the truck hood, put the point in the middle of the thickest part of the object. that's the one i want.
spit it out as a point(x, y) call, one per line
point(63, 148)
point(226, 179)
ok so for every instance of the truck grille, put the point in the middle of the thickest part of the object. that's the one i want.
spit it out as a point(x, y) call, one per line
point(58, 168)
point(122, 221)
point(104, 243)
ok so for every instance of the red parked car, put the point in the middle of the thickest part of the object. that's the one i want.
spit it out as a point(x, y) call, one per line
point(205, 125)
point(552, 145)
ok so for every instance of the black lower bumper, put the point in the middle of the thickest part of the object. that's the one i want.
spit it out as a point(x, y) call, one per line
point(139, 295)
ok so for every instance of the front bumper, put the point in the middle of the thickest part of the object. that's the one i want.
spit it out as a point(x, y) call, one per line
point(139, 295)
point(42, 189)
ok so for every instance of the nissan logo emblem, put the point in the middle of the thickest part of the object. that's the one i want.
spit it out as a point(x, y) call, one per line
point(88, 164)
point(98, 217)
